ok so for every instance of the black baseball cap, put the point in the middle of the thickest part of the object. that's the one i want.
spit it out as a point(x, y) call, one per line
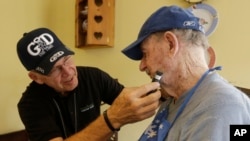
point(40, 49)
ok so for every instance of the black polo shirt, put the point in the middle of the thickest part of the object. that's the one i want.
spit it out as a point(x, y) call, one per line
point(46, 114)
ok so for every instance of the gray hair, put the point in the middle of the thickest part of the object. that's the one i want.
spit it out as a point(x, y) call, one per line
point(188, 36)
point(192, 37)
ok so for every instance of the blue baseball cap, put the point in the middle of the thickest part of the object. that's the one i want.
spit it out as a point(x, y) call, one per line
point(165, 18)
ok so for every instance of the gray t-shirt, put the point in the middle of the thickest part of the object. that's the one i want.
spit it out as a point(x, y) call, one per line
point(214, 106)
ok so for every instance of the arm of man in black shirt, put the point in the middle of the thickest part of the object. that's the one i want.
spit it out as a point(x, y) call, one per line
point(130, 106)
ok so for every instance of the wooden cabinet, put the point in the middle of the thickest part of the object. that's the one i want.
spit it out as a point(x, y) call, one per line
point(94, 25)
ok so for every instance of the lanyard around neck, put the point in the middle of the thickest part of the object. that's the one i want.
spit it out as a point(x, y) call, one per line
point(191, 92)
point(159, 128)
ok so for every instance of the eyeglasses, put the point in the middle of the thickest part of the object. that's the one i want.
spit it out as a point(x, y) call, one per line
point(57, 70)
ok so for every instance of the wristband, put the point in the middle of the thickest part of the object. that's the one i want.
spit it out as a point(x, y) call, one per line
point(105, 115)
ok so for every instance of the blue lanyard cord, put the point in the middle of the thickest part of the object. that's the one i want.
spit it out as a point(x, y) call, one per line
point(192, 91)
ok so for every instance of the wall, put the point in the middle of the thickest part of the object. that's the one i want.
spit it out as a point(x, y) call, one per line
point(230, 40)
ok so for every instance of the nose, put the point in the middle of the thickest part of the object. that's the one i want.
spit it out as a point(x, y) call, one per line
point(142, 65)
point(65, 70)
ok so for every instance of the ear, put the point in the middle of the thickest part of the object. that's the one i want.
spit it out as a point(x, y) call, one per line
point(35, 77)
point(172, 41)
point(211, 57)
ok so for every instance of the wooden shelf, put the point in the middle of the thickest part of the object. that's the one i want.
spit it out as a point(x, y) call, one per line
point(94, 25)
